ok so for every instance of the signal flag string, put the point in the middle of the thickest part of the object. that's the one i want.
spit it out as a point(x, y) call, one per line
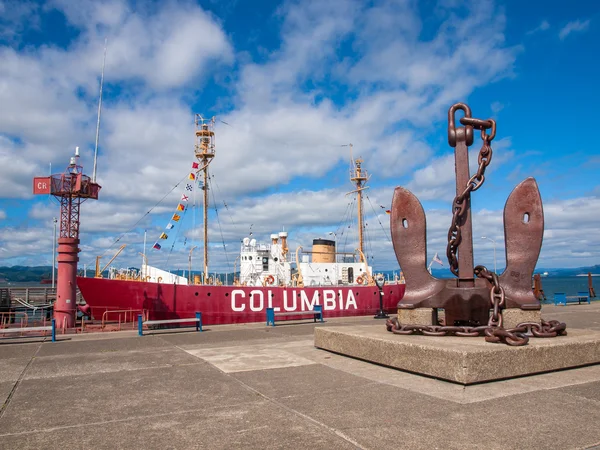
point(143, 217)
point(181, 207)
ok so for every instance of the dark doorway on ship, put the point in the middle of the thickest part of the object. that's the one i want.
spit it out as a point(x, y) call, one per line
point(350, 275)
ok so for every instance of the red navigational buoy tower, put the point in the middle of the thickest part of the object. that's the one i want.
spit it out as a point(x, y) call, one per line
point(71, 188)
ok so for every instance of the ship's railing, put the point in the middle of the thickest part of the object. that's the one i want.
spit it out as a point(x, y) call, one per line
point(20, 322)
point(255, 248)
point(6, 318)
point(35, 316)
point(123, 316)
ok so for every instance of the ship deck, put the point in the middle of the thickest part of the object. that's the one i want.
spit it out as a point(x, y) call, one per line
point(253, 386)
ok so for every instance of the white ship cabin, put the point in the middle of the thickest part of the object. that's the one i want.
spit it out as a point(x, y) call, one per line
point(265, 264)
point(268, 264)
point(328, 268)
point(155, 275)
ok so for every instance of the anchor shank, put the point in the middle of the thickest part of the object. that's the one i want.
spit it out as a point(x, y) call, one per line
point(465, 247)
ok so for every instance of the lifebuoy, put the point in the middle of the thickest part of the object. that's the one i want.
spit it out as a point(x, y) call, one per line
point(359, 280)
point(270, 279)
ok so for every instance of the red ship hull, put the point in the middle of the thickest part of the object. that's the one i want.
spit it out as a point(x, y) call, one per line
point(231, 304)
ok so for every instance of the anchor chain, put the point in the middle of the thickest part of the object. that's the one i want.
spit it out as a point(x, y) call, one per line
point(512, 336)
point(494, 331)
point(474, 183)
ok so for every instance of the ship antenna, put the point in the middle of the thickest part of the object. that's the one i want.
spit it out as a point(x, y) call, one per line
point(359, 177)
point(99, 112)
point(205, 152)
point(351, 157)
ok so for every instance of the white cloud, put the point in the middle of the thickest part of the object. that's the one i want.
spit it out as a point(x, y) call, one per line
point(543, 26)
point(571, 27)
point(2, 214)
point(165, 48)
point(15, 17)
point(30, 246)
point(389, 38)
point(496, 107)
point(437, 180)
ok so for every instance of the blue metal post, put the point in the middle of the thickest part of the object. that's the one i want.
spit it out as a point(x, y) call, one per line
point(198, 321)
point(319, 309)
point(270, 316)
point(53, 330)
point(140, 324)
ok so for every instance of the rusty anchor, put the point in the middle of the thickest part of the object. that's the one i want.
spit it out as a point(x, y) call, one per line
point(472, 302)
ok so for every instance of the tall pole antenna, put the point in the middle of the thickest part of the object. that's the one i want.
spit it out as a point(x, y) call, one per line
point(99, 112)
point(205, 152)
point(359, 177)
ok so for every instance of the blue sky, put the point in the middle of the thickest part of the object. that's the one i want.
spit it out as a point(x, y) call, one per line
point(291, 84)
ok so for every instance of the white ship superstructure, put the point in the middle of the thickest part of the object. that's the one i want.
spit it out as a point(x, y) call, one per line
point(267, 264)
point(328, 268)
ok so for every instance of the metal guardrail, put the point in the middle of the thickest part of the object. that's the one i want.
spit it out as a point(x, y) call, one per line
point(8, 317)
point(123, 315)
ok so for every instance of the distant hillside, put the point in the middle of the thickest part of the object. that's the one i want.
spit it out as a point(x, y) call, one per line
point(25, 273)
point(570, 272)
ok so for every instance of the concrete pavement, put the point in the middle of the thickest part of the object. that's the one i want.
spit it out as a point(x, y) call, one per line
point(254, 386)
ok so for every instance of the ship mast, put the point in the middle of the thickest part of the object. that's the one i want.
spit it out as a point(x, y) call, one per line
point(359, 177)
point(205, 152)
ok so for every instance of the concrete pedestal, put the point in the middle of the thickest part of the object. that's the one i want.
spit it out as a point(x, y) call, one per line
point(464, 360)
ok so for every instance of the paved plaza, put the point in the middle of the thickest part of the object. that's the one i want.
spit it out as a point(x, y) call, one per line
point(255, 387)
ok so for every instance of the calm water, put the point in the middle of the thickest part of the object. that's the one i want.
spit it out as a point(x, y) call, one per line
point(568, 285)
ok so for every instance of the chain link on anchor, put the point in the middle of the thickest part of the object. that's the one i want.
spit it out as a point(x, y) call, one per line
point(512, 336)
point(495, 331)
point(460, 201)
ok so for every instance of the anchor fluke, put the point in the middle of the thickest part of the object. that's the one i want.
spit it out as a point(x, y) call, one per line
point(523, 234)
